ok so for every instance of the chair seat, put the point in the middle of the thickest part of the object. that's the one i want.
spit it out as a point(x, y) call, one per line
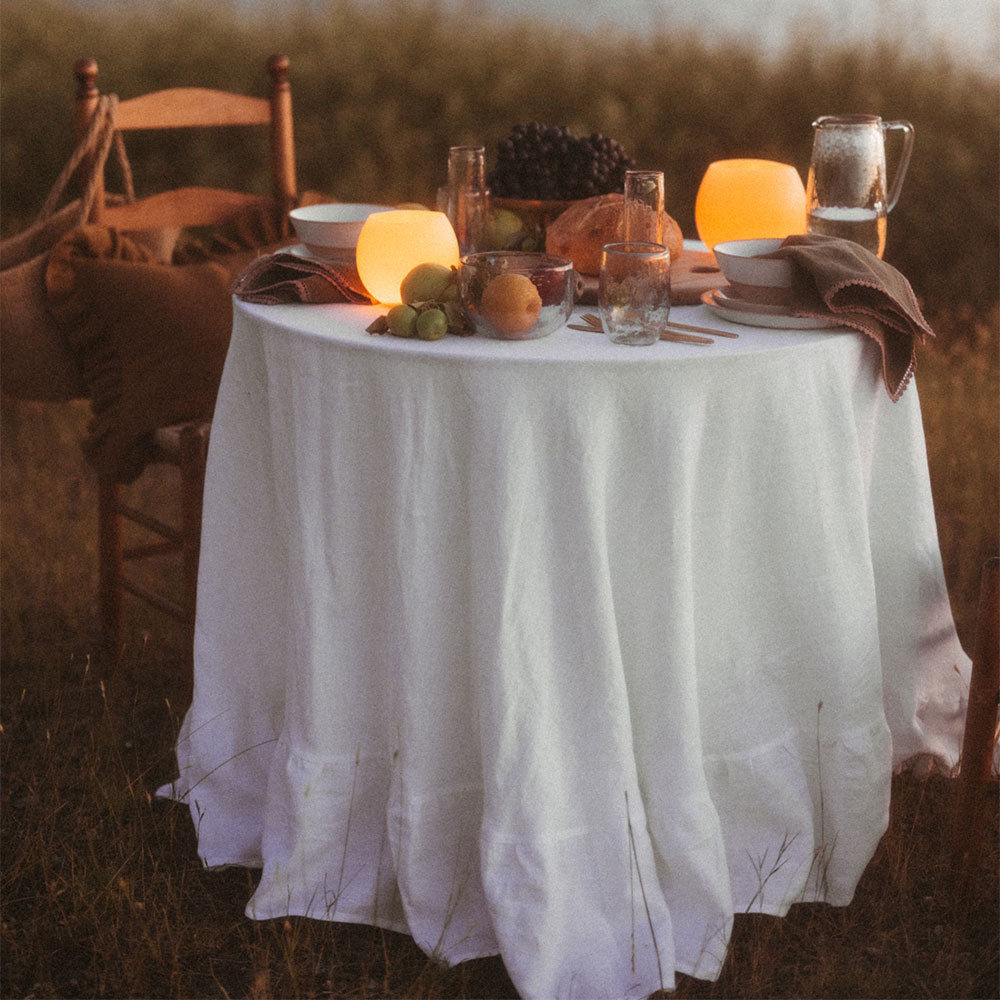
point(184, 207)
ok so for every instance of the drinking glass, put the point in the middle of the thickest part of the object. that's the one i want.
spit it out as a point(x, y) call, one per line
point(634, 292)
point(644, 206)
point(467, 196)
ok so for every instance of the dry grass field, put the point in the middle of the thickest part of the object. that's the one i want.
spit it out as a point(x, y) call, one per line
point(101, 892)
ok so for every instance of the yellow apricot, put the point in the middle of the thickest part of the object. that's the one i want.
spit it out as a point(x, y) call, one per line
point(511, 303)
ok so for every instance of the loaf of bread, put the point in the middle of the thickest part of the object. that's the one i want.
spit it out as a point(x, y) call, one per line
point(583, 229)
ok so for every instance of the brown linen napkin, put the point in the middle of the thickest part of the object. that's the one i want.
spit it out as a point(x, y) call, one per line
point(282, 277)
point(840, 277)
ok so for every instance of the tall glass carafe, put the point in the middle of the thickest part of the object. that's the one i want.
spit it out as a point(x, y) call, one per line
point(467, 196)
point(847, 194)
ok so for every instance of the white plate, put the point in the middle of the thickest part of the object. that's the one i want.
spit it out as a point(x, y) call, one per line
point(331, 257)
point(759, 315)
point(724, 299)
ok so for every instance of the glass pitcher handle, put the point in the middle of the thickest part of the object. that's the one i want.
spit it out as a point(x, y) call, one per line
point(904, 161)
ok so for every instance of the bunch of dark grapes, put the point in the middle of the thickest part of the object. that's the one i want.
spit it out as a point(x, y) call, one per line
point(550, 163)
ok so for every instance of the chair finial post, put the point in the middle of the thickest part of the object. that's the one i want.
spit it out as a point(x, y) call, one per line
point(277, 68)
point(85, 71)
point(87, 99)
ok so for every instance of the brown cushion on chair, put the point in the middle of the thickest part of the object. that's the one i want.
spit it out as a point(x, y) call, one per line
point(35, 362)
point(151, 339)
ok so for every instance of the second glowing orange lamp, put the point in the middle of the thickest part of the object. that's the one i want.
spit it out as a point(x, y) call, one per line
point(746, 199)
point(392, 243)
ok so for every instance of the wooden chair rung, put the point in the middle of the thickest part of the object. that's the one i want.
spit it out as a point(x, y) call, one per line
point(164, 604)
point(150, 523)
point(150, 550)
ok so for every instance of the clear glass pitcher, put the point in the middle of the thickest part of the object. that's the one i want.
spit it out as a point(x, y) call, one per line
point(846, 193)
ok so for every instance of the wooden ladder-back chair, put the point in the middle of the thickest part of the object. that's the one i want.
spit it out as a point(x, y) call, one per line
point(183, 446)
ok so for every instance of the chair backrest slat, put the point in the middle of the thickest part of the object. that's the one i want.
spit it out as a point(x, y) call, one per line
point(191, 107)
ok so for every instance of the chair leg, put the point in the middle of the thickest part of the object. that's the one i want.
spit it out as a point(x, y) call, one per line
point(980, 725)
point(109, 554)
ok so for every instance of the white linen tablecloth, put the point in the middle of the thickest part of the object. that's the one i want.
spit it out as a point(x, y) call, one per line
point(559, 649)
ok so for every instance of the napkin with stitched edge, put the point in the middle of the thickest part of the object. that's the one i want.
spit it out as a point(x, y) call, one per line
point(841, 277)
point(284, 277)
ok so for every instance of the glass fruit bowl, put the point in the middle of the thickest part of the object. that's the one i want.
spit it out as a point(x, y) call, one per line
point(516, 295)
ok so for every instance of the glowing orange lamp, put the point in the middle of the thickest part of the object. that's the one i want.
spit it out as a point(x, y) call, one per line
point(392, 243)
point(749, 200)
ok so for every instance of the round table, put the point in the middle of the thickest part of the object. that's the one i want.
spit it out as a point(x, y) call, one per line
point(559, 649)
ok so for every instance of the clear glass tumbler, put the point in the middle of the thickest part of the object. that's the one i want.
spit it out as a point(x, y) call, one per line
point(467, 197)
point(644, 206)
point(634, 292)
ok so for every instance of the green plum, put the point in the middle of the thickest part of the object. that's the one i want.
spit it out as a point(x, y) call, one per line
point(402, 320)
point(432, 324)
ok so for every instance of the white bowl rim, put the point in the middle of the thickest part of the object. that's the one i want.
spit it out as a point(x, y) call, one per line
point(336, 212)
point(749, 248)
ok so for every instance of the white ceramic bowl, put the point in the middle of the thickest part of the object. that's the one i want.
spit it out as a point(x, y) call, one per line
point(331, 230)
point(742, 264)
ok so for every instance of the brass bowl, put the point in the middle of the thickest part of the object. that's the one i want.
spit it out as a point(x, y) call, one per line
point(535, 216)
